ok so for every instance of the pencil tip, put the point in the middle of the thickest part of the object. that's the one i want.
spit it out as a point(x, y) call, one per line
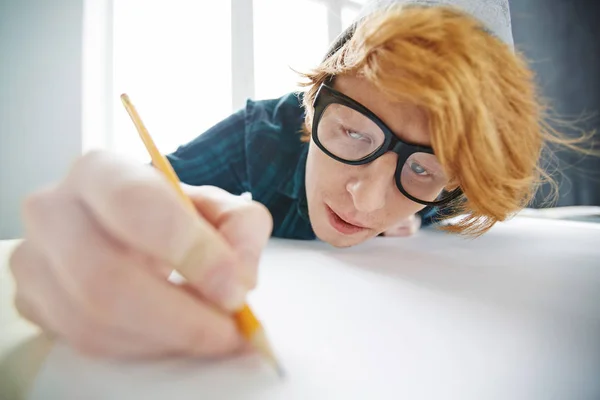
point(280, 370)
point(260, 341)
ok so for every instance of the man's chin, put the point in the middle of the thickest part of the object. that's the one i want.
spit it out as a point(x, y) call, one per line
point(338, 240)
point(328, 234)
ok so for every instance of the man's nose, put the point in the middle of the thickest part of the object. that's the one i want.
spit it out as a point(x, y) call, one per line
point(369, 188)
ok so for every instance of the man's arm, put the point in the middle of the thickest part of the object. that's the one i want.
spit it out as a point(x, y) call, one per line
point(217, 157)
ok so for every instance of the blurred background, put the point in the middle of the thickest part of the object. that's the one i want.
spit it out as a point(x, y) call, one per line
point(187, 64)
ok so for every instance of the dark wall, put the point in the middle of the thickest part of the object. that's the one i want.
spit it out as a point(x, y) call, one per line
point(561, 38)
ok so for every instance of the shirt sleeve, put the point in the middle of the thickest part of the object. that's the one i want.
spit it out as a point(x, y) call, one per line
point(217, 157)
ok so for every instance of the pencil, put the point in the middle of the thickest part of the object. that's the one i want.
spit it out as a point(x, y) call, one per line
point(247, 323)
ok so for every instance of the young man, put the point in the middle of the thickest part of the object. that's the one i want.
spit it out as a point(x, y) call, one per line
point(421, 109)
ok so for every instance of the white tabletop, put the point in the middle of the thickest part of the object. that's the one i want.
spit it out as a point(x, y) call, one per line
point(513, 315)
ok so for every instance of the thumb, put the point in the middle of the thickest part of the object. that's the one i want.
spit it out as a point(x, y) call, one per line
point(211, 267)
point(244, 224)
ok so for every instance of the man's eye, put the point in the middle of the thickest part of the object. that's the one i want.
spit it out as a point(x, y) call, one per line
point(417, 169)
point(356, 135)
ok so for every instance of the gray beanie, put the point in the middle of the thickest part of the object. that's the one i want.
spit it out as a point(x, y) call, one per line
point(493, 14)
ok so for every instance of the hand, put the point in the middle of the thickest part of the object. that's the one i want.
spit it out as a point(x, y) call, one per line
point(93, 267)
point(406, 227)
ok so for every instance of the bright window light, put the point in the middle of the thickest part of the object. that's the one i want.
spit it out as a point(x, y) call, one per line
point(349, 13)
point(174, 60)
point(287, 34)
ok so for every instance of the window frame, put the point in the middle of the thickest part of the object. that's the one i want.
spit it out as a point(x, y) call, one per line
point(97, 82)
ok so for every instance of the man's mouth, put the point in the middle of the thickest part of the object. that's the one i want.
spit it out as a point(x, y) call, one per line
point(341, 225)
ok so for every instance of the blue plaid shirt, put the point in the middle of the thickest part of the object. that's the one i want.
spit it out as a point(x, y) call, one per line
point(257, 150)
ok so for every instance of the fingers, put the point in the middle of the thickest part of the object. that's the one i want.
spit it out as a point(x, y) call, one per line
point(137, 206)
point(116, 306)
point(100, 245)
point(175, 319)
point(246, 225)
point(33, 283)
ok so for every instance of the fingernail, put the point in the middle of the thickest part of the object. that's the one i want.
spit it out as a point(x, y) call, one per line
point(223, 286)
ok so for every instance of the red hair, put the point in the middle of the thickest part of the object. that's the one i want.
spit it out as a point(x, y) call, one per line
point(486, 119)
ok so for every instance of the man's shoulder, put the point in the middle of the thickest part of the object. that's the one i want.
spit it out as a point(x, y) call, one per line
point(275, 151)
point(288, 104)
point(279, 119)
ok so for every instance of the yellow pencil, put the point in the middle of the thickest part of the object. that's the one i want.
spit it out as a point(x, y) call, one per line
point(249, 326)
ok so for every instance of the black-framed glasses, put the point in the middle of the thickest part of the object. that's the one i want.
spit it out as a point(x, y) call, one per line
point(350, 133)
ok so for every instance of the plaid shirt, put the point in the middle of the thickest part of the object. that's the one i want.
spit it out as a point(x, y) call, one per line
point(257, 150)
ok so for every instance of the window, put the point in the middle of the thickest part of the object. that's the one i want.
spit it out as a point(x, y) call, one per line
point(349, 13)
point(178, 60)
point(288, 36)
point(174, 60)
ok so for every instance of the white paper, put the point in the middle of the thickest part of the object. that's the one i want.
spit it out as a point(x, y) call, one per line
point(512, 315)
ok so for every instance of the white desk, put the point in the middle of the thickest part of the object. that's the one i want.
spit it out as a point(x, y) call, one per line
point(512, 315)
